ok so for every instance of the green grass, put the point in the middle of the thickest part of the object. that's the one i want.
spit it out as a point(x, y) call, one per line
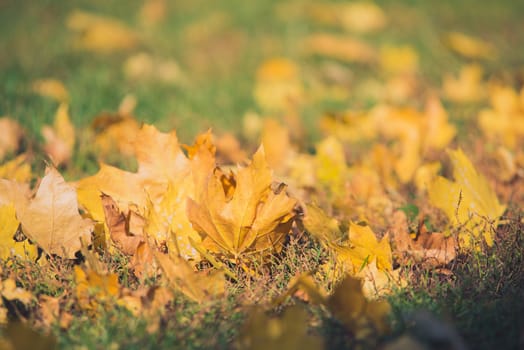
point(483, 300)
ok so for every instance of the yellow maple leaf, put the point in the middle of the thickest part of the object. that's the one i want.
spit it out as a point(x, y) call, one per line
point(60, 139)
point(198, 286)
point(94, 289)
point(51, 218)
point(469, 202)
point(365, 248)
point(8, 245)
point(504, 122)
point(253, 218)
point(467, 87)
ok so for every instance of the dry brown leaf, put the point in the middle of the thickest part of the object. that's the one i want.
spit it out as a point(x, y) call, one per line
point(357, 16)
point(430, 248)
point(51, 218)
point(124, 233)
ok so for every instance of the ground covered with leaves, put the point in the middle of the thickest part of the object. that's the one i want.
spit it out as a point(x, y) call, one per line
point(278, 174)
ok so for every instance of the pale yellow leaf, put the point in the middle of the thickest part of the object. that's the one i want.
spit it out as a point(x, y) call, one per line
point(51, 219)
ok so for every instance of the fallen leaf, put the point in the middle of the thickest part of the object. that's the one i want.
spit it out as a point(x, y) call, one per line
point(9, 246)
point(254, 219)
point(469, 202)
point(468, 46)
point(17, 169)
point(321, 226)
point(100, 34)
point(362, 17)
point(115, 133)
point(11, 134)
point(278, 84)
point(51, 218)
point(198, 286)
point(290, 331)
point(121, 230)
point(52, 88)
point(11, 291)
point(504, 121)
point(401, 59)
point(362, 317)
point(60, 138)
point(342, 48)
point(432, 249)
point(95, 289)
point(467, 88)
point(365, 248)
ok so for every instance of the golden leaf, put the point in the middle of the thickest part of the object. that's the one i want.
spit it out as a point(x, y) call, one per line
point(343, 48)
point(321, 226)
point(101, 34)
point(94, 289)
point(504, 122)
point(17, 169)
point(357, 16)
point(287, 332)
point(10, 291)
point(365, 248)
point(331, 169)
point(253, 219)
point(468, 87)
point(8, 245)
point(402, 59)
point(51, 218)
point(115, 132)
point(468, 46)
point(362, 317)
point(469, 202)
point(198, 286)
point(278, 84)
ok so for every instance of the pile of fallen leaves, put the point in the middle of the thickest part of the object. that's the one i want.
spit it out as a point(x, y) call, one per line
point(384, 189)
